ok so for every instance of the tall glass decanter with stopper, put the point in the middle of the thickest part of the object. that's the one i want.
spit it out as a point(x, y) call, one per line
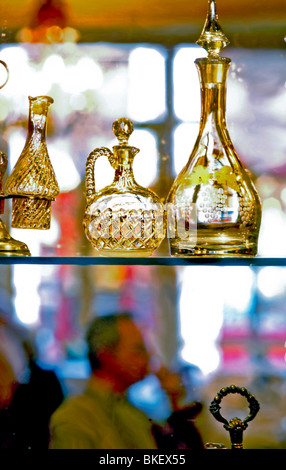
point(124, 218)
point(227, 210)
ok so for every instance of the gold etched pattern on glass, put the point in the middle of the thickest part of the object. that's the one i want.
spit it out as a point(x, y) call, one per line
point(32, 183)
point(124, 218)
point(228, 208)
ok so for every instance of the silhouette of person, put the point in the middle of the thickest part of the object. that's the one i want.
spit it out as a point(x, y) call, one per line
point(102, 417)
point(28, 394)
point(8, 384)
point(35, 401)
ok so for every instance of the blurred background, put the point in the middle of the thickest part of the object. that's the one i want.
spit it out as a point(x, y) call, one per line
point(105, 60)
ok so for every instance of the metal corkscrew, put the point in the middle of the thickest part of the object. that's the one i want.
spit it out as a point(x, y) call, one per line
point(235, 426)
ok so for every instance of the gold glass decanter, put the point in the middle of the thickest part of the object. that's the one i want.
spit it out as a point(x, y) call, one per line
point(214, 181)
point(32, 183)
point(122, 219)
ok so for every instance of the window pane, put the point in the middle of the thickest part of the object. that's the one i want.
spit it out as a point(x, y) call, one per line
point(147, 94)
point(187, 102)
point(184, 139)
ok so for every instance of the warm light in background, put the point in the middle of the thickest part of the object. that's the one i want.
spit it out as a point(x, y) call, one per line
point(49, 24)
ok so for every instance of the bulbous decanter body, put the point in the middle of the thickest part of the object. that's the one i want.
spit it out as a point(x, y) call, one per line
point(227, 209)
point(32, 183)
point(122, 219)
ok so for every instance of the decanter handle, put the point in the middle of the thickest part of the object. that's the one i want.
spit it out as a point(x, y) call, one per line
point(7, 70)
point(235, 426)
point(89, 170)
point(3, 167)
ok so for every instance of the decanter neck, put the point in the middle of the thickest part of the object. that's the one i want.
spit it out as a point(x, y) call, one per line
point(124, 156)
point(213, 74)
point(38, 112)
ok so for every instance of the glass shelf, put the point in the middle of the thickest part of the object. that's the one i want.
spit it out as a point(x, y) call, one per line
point(152, 260)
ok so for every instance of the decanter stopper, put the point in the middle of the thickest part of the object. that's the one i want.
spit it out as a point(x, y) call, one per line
point(122, 129)
point(235, 426)
point(212, 38)
point(123, 153)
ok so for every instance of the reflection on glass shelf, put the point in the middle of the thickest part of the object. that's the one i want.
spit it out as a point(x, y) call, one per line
point(208, 298)
point(82, 260)
point(233, 318)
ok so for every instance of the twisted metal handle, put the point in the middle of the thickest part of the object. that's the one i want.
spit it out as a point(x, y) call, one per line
point(235, 426)
point(7, 70)
point(89, 169)
point(3, 167)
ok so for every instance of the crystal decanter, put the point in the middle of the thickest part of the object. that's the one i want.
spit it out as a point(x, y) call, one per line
point(32, 183)
point(124, 218)
point(226, 209)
